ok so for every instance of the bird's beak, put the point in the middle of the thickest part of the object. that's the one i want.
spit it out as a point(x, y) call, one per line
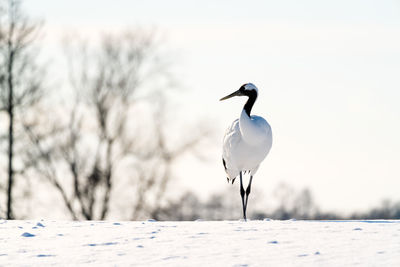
point(236, 93)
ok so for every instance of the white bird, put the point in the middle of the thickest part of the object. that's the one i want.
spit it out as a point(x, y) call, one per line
point(246, 142)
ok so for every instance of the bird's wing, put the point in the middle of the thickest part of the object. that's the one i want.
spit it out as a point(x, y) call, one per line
point(231, 139)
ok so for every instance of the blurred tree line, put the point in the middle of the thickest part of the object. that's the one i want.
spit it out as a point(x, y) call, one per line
point(107, 137)
point(292, 204)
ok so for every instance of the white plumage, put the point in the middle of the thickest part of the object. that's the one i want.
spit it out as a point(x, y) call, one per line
point(246, 142)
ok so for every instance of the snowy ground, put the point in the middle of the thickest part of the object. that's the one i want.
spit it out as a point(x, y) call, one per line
point(200, 243)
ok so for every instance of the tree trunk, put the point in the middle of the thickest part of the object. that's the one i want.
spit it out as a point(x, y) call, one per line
point(10, 111)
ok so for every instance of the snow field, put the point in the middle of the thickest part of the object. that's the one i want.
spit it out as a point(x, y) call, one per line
point(200, 243)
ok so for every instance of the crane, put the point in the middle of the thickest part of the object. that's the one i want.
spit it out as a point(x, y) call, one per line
point(246, 142)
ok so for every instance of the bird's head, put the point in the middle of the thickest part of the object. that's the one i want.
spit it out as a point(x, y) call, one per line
point(247, 89)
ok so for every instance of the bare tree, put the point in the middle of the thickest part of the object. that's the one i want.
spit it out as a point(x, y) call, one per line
point(20, 79)
point(113, 131)
point(92, 140)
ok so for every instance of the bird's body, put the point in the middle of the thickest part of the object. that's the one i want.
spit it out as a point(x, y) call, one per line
point(246, 142)
point(244, 149)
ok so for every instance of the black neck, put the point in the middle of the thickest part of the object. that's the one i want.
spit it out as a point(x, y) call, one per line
point(250, 102)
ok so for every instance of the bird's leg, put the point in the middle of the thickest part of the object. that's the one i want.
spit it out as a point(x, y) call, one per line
point(248, 192)
point(242, 195)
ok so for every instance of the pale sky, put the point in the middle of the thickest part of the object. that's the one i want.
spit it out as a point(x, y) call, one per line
point(328, 74)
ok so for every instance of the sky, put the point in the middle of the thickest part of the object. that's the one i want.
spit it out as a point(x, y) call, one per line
point(327, 73)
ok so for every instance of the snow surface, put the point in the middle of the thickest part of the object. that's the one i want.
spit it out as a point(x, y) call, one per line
point(200, 243)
